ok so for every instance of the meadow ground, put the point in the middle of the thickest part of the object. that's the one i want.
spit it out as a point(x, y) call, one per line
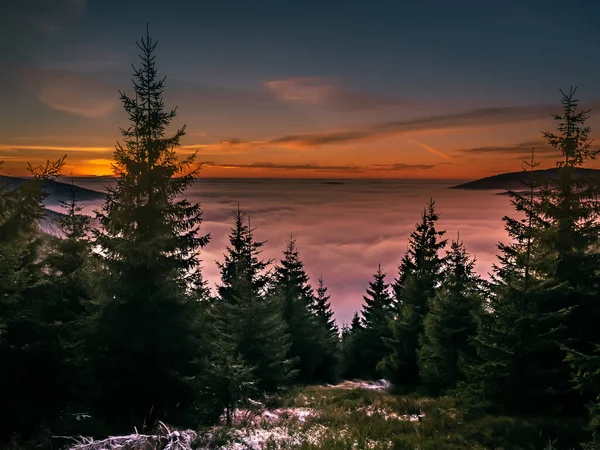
point(358, 415)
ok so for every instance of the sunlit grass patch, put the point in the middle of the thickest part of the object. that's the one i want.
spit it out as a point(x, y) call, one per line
point(329, 418)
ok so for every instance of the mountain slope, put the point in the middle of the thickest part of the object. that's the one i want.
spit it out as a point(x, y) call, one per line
point(514, 180)
point(56, 190)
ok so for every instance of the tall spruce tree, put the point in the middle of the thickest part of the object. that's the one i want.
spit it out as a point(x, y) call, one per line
point(504, 373)
point(450, 323)
point(253, 316)
point(376, 315)
point(575, 210)
point(146, 339)
point(311, 343)
point(546, 287)
point(32, 362)
point(420, 274)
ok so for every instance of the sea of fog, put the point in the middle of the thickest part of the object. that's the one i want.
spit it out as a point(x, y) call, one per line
point(343, 231)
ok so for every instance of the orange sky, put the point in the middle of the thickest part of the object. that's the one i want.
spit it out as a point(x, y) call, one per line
point(464, 150)
point(299, 89)
point(291, 128)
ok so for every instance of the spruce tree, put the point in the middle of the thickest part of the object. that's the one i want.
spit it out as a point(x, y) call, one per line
point(227, 378)
point(71, 271)
point(253, 316)
point(420, 274)
point(322, 309)
point(376, 315)
point(505, 373)
point(573, 212)
point(350, 349)
point(146, 339)
point(310, 341)
point(587, 379)
point(546, 292)
point(330, 366)
point(450, 323)
point(32, 362)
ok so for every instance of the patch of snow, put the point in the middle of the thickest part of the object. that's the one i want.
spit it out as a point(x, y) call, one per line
point(387, 414)
point(258, 439)
point(372, 445)
point(380, 385)
point(244, 417)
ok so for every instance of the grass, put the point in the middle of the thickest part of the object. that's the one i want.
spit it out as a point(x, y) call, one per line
point(357, 419)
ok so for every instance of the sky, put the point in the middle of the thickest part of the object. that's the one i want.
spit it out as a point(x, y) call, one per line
point(301, 89)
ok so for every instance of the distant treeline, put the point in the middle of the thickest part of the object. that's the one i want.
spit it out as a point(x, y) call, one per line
point(113, 326)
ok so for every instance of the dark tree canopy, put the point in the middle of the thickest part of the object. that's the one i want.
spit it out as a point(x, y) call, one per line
point(254, 316)
point(149, 240)
point(450, 323)
point(420, 274)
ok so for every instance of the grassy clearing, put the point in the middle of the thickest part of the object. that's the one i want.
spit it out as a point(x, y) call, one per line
point(332, 418)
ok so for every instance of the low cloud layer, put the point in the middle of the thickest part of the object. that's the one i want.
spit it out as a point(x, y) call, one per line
point(344, 231)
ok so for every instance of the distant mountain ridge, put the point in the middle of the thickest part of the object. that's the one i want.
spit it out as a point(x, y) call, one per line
point(57, 191)
point(515, 180)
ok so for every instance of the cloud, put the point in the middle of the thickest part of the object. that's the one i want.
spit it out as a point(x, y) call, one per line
point(472, 118)
point(321, 92)
point(346, 168)
point(11, 147)
point(67, 91)
point(333, 225)
point(520, 148)
point(430, 149)
point(274, 166)
point(77, 94)
point(401, 166)
point(230, 146)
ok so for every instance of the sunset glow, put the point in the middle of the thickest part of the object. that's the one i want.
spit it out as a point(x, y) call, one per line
point(311, 109)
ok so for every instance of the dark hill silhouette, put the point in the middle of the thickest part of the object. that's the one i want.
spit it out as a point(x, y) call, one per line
point(514, 180)
point(56, 190)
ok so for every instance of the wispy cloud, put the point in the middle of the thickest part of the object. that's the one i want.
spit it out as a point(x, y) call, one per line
point(79, 95)
point(346, 168)
point(229, 146)
point(69, 91)
point(401, 166)
point(11, 147)
point(294, 167)
point(520, 148)
point(429, 149)
point(322, 92)
point(468, 119)
point(472, 118)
